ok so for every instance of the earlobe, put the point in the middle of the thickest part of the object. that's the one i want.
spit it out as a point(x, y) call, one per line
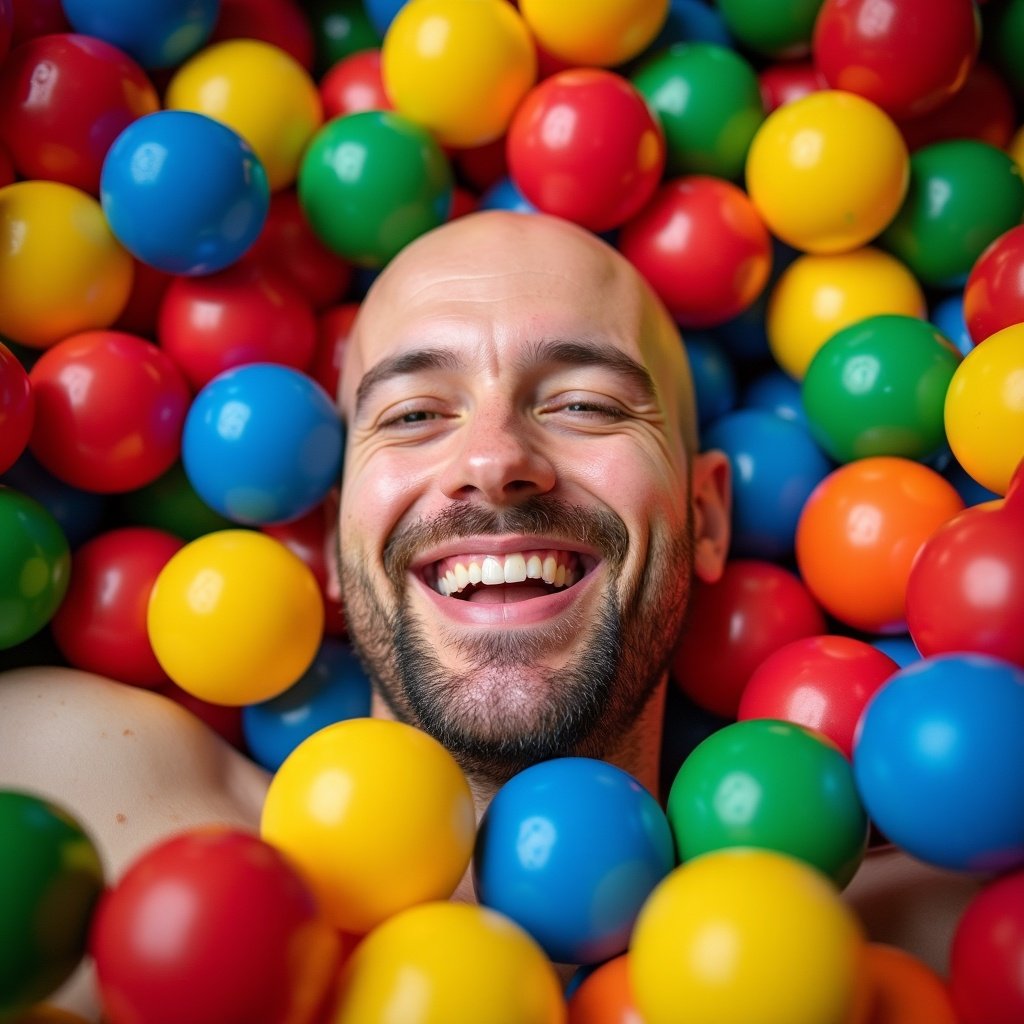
point(712, 508)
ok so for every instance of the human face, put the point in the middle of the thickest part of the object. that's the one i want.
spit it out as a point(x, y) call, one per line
point(513, 398)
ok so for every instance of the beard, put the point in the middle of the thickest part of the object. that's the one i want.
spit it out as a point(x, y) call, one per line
point(506, 709)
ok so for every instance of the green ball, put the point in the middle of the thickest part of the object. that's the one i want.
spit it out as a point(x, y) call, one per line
point(775, 28)
point(708, 100)
point(340, 28)
point(1005, 36)
point(35, 565)
point(772, 785)
point(878, 387)
point(50, 880)
point(963, 195)
point(371, 182)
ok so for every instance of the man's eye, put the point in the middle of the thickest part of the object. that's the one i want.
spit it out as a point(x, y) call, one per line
point(411, 418)
point(594, 409)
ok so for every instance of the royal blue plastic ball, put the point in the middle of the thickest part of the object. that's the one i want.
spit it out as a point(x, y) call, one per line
point(775, 391)
point(948, 318)
point(714, 380)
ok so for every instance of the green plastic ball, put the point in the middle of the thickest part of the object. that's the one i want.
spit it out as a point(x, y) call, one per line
point(170, 503)
point(771, 785)
point(340, 28)
point(774, 28)
point(878, 387)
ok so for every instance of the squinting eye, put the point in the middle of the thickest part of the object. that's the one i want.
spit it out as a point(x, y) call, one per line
point(593, 409)
point(410, 419)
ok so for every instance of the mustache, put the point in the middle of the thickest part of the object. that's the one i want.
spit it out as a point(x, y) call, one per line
point(600, 529)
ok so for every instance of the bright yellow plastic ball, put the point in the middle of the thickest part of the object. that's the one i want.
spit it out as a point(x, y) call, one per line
point(235, 617)
point(376, 814)
point(594, 33)
point(449, 963)
point(458, 67)
point(815, 296)
point(828, 172)
point(745, 936)
point(258, 90)
point(62, 271)
point(1016, 148)
point(984, 412)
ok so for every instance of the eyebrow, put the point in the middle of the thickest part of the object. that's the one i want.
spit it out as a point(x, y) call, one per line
point(401, 365)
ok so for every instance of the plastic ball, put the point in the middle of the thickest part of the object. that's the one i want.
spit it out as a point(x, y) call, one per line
point(262, 444)
point(902, 989)
point(353, 85)
point(984, 410)
point(908, 61)
point(246, 313)
point(240, 936)
point(101, 623)
point(782, 29)
point(43, 1013)
point(371, 182)
point(733, 625)
point(900, 648)
point(878, 387)
point(183, 192)
point(816, 296)
point(283, 23)
point(158, 34)
point(459, 68)
point(376, 814)
point(771, 785)
point(787, 81)
point(340, 28)
point(936, 759)
point(708, 101)
point(714, 380)
point(50, 880)
point(820, 682)
point(584, 145)
point(984, 964)
point(334, 326)
point(948, 316)
point(445, 963)
point(795, 950)
point(963, 195)
point(994, 294)
point(333, 689)
point(62, 132)
point(110, 408)
point(775, 466)
point(860, 531)
point(17, 408)
point(604, 996)
point(569, 849)
point(702, 246)
point(234, 617)
point(594, 33)
point(61, 269)
point(807, 175)
point(776, 392)
point(260, 92)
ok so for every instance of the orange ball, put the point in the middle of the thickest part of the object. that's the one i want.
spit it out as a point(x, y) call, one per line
point(901, 989)
point(859, 533)
point(605, 996)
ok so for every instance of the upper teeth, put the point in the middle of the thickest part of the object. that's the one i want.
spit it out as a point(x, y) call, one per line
point(493, 570)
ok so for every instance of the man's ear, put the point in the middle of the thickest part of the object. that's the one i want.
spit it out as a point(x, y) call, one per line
point(711, 499)
point(331, 548)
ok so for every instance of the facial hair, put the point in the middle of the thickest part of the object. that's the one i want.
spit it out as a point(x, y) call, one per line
point(504, 711)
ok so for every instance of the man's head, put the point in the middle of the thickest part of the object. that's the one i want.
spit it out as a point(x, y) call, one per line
point(519, 409)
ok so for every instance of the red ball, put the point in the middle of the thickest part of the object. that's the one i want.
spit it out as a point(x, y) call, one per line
point(139, 315)
point(821, 682)
point(584, 145)
point(986, 966)
point(6, 26)
point(332, 333)
point(787, 81)
point(906, 56)
point(994, 293)
point(101, 623)
point(482, 166)
point(753, 610)
point(37, 18)
point(354, 84)
point(212, 927)
point(110, 408)
point(244, 314)
point(282, 23)
point(7, 173)
point(703, 247)
point(17, 408)
point(63, 101)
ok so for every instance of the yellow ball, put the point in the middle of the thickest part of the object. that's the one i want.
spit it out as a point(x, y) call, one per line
point(815, 296)
point(235, 618)
point(448, 963)
point(62, 271)
point(458, 67)
point(258, 90)
point(594, 33)
point(1016, 148)
point(984, 412)
point(744, 936)
point(828, 172)
point(376, 814)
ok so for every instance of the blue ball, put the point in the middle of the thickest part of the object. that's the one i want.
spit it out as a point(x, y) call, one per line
point(262, 444)
point(938, 762)
point(714, 381)
point(777, 392)
point(183, 192)
point(901, 649)
point(157, 33)
point(334, 688)
point(504, 194)
point(775, 466)
point(948, 318)
point(381, 13)
point(966, 486)
point(570, 849)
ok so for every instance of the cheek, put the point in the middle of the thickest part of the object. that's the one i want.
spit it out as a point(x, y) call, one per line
point(374, 500)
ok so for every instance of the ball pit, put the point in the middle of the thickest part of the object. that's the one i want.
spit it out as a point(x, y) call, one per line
point(800, 192)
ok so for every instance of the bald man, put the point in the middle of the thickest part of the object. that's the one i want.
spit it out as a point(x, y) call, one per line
point(524, 507)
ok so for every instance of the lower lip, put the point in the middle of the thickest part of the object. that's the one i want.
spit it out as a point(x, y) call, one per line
point(512, 614)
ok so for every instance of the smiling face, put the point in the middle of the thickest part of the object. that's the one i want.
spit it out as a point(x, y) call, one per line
point(516, 532)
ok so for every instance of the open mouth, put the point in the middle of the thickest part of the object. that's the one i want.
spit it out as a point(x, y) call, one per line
point(509, 577)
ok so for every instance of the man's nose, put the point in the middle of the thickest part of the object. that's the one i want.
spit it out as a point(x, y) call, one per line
point(497, 459)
